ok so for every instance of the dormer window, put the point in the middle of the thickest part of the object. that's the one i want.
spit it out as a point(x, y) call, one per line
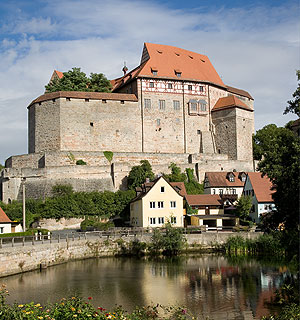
point(231, 177)
point(177, 73)
point(154, 71)
point(242, 176)
point(202, 104)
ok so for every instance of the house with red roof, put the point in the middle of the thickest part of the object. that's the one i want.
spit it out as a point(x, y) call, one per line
point(5, 222)
point(209, 212)
point(260, 189)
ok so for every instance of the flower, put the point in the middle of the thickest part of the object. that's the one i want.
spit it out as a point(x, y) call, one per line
point(75, 315)
point(72, 308)
point(90, 298)
point(37, 305)
point(20, 305)
point(183, 311)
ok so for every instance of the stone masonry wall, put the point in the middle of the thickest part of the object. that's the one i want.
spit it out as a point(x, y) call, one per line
point(19, 259)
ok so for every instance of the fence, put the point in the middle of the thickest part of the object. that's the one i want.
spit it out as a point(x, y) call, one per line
point(38, 238)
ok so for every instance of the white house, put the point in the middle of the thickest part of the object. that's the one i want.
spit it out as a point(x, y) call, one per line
point(157, 203)
point(260, 189)
point(5, 222)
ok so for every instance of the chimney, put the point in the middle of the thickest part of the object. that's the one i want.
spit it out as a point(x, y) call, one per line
point(125, 69)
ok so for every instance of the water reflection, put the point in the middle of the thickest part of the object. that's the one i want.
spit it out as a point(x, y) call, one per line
point(207, 285)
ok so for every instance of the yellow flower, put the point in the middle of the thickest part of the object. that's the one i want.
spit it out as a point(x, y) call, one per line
point(40, 317)
point(75, 315)
point(20, 305)
point(28, 312)
point(37, 305)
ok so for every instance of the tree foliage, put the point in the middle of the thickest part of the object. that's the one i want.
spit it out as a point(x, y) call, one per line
point(281, 164)
point(243, 207)
point(138, 174)
point(76, 80)
point(176, 175)
point(294, 104)
point(192, 186)
point(1, 167)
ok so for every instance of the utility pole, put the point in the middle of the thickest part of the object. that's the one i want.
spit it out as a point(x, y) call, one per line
point(24, 208)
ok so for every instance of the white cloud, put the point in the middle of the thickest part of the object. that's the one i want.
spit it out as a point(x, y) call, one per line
point(254, 50)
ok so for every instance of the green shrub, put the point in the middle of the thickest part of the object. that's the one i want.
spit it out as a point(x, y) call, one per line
point(91, 223)
point(80, 162)
point(29, 232)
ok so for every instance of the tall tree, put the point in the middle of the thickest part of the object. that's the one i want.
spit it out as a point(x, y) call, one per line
point(76, 80)
point(176, 175)
point(138, 174)
point(281, 164)
point(294, 104)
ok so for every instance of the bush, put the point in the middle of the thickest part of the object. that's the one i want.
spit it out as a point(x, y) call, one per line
point(91, 223)
point(80, 162)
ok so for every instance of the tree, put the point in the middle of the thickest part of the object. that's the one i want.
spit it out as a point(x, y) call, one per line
point(243, 207)
point(264, 139)
point(281, 164)
point(176, 175)
point(76, 80)
point(138, 174)
point(1, 167)
point(192, 186)
point(294, 105)
point(61, 190)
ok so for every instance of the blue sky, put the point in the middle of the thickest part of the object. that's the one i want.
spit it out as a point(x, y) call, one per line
point(253, 45)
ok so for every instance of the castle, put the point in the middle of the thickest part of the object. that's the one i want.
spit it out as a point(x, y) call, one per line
point(173, 107)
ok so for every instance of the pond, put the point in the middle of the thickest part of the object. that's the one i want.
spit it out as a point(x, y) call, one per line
point(208, 285)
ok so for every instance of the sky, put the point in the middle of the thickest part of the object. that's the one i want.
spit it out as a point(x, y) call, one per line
point(253, 45)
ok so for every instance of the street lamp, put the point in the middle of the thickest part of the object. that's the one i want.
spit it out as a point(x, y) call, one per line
point(24, 208)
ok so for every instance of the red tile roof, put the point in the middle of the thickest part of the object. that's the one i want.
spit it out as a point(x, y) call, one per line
point(180, 187)
point(219, 179)
point(262, 186)
point(230, 102)
point(239, 92)
point(167, 60)
point(203, 199)
point(3, 217)
point(59, 74)
point(85, 95)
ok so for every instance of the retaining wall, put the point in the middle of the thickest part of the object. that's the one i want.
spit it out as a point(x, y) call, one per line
point(19, 259)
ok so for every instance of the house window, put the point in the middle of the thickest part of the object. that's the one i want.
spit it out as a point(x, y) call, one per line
point(233, 191)
point(162, 104)
point(86, 100)
point(243, 178)
point(173, 204)
point(161, 220)
point(190, 87)
point(158, 122)
point(170, 86)
point(122, 101)
point(1, 229)
point(178, 74)
point(160, 204)
point(151, 84)
point(103, 100)
point(147, 103)
point(201, 89)
point(231, 178)
point(176, 105)
point(152, 221)
point(162, 189)
point(152, 204)
point(220, 191)
point(173, 219)
point(154, 72)
point(214, 191)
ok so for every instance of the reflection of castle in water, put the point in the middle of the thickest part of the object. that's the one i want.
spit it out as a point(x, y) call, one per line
point(207, 285)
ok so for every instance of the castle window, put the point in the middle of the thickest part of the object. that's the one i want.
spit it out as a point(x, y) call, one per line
point(202, 104)
point(198, 131)
point(193, 105)
point(201, 89)
point(170, 86)
point(162, 104)
point(176, 105)
point(91, 124)
point(147, 103)
point(86, 100)
point(103, 100)
point(190, 87)
point(122, 102)
point(40, 103)
point(151, 84)
point(158, 122)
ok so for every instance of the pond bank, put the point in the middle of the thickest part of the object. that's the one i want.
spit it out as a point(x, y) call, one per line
point(20, 259)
